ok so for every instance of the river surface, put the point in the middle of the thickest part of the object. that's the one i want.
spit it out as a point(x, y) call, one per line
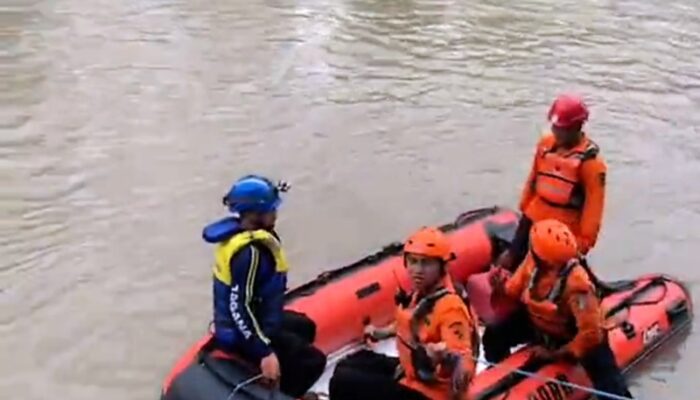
point(122, 123)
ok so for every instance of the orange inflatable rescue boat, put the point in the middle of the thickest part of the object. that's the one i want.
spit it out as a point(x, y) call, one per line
point(642, 314)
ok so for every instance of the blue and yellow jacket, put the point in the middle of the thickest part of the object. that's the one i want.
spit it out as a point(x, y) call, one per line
point(249, 282)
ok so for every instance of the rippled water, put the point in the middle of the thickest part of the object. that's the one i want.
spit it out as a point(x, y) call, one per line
point(124, 121)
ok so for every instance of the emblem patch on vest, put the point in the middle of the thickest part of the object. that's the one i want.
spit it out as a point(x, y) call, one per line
point(458, 330)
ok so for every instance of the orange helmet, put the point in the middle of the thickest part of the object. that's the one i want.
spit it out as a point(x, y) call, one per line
point(553, 242)
point(429, 242)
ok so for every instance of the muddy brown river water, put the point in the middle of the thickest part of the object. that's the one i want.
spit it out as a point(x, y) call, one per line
point(123, 122)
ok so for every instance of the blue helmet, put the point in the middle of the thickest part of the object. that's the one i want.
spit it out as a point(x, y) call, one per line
point(254, 193)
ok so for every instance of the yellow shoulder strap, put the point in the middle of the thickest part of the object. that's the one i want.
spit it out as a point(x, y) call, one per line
point(227, 249)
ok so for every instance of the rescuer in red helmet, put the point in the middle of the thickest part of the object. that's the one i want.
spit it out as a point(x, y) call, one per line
point(566, 181)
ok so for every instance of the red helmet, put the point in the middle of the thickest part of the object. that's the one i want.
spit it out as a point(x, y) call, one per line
point(567, 110)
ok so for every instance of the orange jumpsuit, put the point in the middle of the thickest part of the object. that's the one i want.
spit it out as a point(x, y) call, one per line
point(451, 321)
point(574, 316)
point(567, 185)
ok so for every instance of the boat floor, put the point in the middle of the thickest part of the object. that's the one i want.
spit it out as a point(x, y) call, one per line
point(386, 347)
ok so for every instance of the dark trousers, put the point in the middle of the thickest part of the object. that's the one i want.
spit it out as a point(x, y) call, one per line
point(599, 364)
point(301, 364)
point(367, 375)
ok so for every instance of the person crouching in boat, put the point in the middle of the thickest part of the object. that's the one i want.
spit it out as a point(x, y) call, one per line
point(561, 315)
point(435, 330)
point(250, 280)
point(566, 182)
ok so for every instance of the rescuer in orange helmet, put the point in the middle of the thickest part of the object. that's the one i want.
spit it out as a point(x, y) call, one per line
point(561, 314)
point(436, 336)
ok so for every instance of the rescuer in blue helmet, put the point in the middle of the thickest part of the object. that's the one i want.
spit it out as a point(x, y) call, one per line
point(250, 280)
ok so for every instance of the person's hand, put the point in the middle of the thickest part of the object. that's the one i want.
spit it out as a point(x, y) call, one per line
point(584, 245)
point(370, 333)
point(505, 260)
point(497, 279)
point(270, 367)
point(436, 351)
point(376, 334)
point(458, 383)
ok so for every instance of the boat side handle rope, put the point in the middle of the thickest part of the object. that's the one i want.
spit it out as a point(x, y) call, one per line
point(243, 384)
point(589, 390)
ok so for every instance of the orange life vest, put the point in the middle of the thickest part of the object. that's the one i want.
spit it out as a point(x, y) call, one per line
point(543, 299)
point(418, 324)
point(557, 180)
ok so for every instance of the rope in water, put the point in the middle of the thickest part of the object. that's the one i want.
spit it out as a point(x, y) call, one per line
point(599, 393)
